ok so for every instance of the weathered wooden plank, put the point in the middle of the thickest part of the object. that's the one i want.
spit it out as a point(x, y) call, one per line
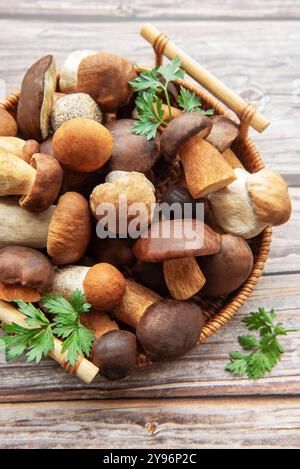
point(154, 9)
point(153, 424)
point(242, 54)
point(200, 373)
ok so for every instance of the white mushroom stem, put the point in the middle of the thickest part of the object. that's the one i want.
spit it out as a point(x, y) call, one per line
point(68, 279)
point(16, 176)
point(12, 144)
point(20, 227)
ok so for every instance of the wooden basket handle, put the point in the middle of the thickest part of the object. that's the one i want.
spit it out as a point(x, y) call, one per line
point(162, 45)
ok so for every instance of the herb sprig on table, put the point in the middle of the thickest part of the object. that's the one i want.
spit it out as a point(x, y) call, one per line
point(150, 85)
point(264, 351)
point(38, 337)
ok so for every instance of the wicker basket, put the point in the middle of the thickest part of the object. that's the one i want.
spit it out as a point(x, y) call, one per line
point(219, 311)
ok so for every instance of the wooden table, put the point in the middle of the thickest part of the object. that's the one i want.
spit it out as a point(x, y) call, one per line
point(254, 47)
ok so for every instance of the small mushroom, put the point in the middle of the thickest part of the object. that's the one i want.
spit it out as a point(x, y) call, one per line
point(223, 133)
point(103, 285)
point(131, 152)
point(165, 328)
point(64, 229)
point(228, 269)
point(102, 75)
point(36, 99)
point(74, 105)
point(23, 149)
point(82, 145)
point(24, 274)
point(204, 168)
point(176, 239)
point(121, 190)
point(38, 183)
point(251, 202)
point(8, 125)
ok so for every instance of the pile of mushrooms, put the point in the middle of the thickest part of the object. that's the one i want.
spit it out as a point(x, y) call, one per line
point(69, 148)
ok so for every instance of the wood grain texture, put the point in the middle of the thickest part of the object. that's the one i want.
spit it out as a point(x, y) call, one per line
point(153, 424)
point(199, 373)
point(241, 54)
point(154, 9)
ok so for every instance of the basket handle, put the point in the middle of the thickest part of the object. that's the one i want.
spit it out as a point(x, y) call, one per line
point(162, 45)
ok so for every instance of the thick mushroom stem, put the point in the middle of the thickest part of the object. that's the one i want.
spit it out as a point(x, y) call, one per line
point(20, 227)
point(134, 303)
point(16, 176)
point(183, 277)
point(17, 146)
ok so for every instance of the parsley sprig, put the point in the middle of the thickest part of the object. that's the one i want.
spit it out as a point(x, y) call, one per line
point(149, 85)
point(265, 351)
point(38, 337)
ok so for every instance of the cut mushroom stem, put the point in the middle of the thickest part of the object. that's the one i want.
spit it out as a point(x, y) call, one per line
point(103, 285)
point(183, 277)
point(165, 328)
point(39, 183)
point(114, 351)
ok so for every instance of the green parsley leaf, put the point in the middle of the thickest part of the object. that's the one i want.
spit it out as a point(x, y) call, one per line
point(190, 102)
point(148, 80)
point(265, 352)
point(171, 71)
point(149, 108)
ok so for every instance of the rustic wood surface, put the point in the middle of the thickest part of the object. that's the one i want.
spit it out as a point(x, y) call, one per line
point(253, 47)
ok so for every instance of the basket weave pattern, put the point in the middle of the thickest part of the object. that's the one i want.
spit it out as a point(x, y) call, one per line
point(218, 311)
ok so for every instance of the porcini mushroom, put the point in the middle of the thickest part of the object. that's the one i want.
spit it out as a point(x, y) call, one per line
point(151, 275)
point(64, 229)
point(38, 183)
point(183, 277)
point(103, 285)
point(24, 274)
point(228, 269)
point(223, 133)
point(130, 188)
point(102, 75)
point(114, 351)
point(165, 328)
point(23, 149)
point(74, 105)
point(8, 125)
point(82, 145)
point(36, 99)
point(131, 152)
point(251, 202)
point(115, 251)
point(204, 167)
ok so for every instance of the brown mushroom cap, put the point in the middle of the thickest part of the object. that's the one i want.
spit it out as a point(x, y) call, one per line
point(35, 103)
point(228, 269)
point(224, 131)
point(30, 148)
point(181, 129)
point(47, 183)
point(104, 286)
point(46, 146)
point(82, 145)
point(105, 76)
point(115, 353)
point(177, 242)
point(26, 267)
point(169, 328)
point(8, 125)
point(131, 152)
point(70, 229)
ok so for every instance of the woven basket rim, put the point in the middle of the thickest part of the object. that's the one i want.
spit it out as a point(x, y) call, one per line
point(222, 313)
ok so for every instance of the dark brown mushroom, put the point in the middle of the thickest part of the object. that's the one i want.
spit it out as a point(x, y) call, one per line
point(115, 251)
point(175, 239)
point(181, 129)
point(223, 133)
point(169, 328)
point(115, 353)
point(228, 269)
point(180, 195)
point(24, 273)
point(131, 152)
point(151, 275)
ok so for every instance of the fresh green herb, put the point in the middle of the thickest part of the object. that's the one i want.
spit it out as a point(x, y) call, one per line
point(152, 83)
point(67, 324)
point(38, 337)
point(265, 351)
point(190, 102)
